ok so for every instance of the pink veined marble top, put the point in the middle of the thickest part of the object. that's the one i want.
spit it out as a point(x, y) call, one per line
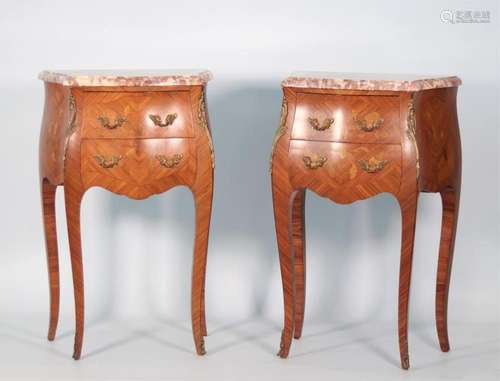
point(75, 78)
point(358, 81)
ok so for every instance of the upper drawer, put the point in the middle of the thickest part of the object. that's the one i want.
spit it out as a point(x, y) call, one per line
point(347, 118)
point(108, 114)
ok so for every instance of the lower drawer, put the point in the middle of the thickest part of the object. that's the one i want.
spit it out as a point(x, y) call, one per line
point(345, 172)
point(137, 168)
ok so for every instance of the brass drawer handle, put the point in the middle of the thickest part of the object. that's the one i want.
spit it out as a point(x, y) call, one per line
point(314, 161)
point(169, 119)
point(103, 162)
point(171, 161)
point(373, 165)
point(363, 125)
point(327, 123)
point(111, 126)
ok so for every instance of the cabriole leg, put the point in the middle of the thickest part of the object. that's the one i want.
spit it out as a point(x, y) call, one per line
point(73, 199)
point(450, 200)
point(203, 206)
point(408, 214)
point(49, 223)
point(299, 246)
point(282, 202)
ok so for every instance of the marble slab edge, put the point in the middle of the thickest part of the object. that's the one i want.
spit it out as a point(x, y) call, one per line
point(372, 84)
point(67, 79)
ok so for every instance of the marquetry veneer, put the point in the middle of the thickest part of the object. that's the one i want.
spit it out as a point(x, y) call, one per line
point(134, 134)
point(348, 138)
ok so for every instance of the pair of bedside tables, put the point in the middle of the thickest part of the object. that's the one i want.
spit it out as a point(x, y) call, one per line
point(343, 136)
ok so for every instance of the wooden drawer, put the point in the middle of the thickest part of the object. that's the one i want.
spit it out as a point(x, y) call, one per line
point(347, 118)
point(137, 168)
point(345, 172)
point(130, 114)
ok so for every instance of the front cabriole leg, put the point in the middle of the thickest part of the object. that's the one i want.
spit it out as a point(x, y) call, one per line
point(407, 198)
point(283, 200)
point(50, 230)
point(202, 190)
point(73, 194)
point(299, 245)
point(408, 220)
point(450, 200)
point(203, 205)
point(283, 197)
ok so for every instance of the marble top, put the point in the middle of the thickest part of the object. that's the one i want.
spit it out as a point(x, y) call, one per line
point(359, 81)
point(75, 78)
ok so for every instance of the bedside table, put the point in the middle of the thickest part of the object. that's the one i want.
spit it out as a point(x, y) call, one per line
point(135, 134)
point(349, 137)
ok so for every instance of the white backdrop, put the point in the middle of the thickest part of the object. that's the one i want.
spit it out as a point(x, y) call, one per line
point(137, 255)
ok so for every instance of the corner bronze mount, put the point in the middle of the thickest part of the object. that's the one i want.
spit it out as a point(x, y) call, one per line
point(203, 121)
point(280, 132)
point(72, 113)
point(411, 130)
